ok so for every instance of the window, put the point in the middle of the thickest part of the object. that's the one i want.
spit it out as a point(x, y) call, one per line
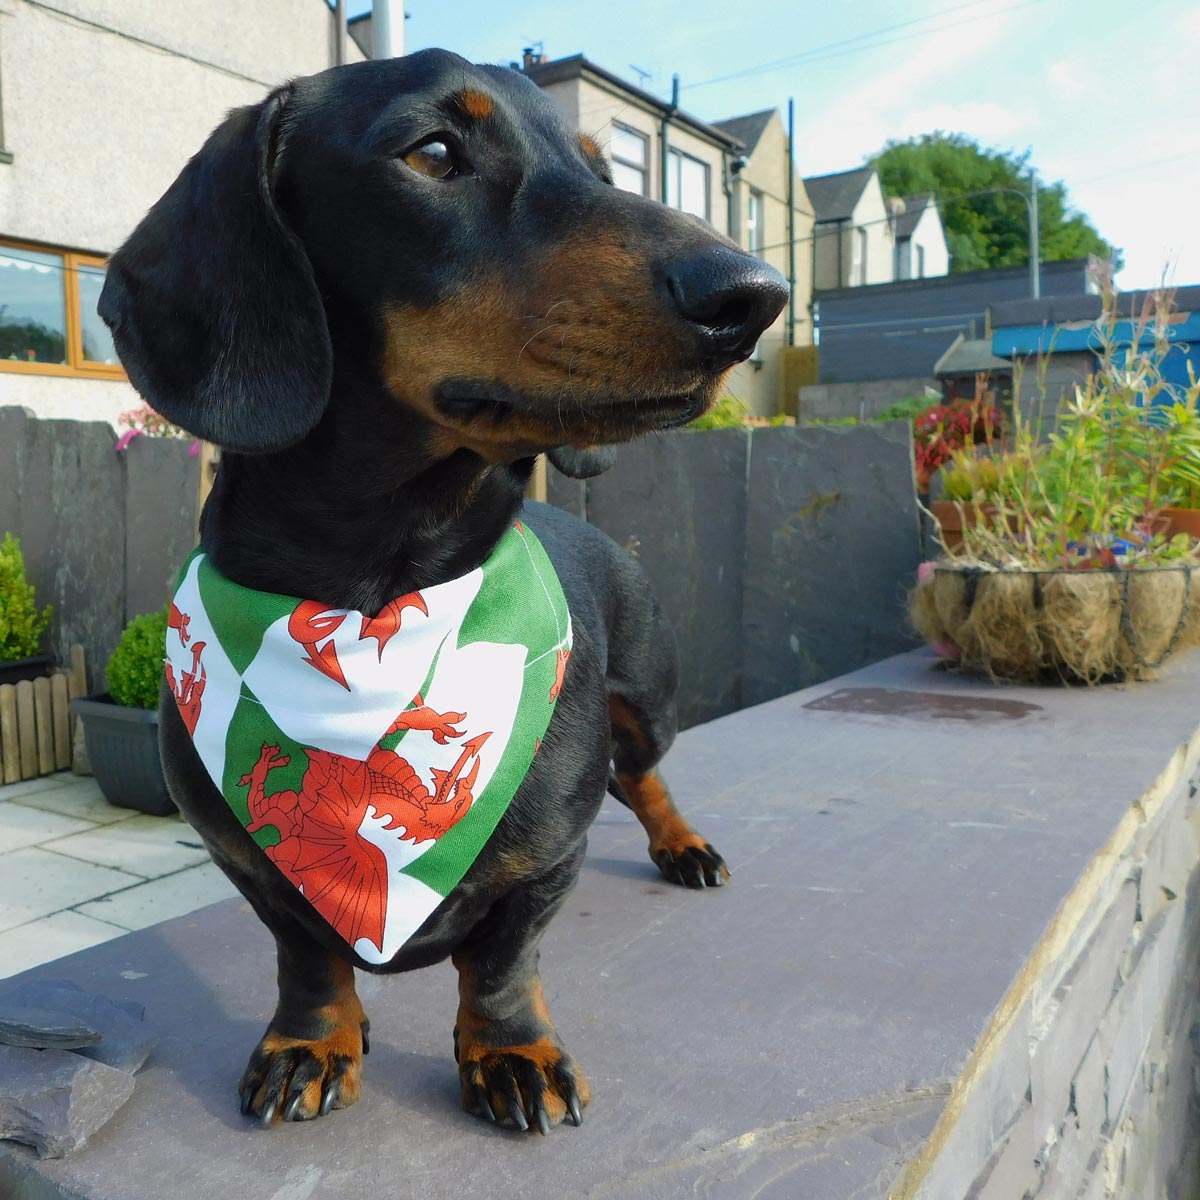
point(687, 183)
point(48, 319)
point(920, 262)
point(754, 222)
point(630, 160)
point(858, 256)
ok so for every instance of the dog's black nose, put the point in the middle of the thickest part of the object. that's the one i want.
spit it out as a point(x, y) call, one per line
point(728, 297)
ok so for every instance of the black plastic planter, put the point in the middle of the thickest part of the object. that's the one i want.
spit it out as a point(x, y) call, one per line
point(122, 745)
point(16, 670)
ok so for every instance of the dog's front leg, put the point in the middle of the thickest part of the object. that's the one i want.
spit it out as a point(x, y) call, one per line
point(511, 1063)
point(310, 1058)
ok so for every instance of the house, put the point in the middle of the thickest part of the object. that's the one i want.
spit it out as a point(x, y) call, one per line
point(99, 110)
point(1060, 334)
point(920, 237)
point(732, 174)
point(759, 221)
point(854, 236)
point(899, 330)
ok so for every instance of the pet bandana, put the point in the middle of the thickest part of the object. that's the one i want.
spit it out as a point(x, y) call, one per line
point(372, 757)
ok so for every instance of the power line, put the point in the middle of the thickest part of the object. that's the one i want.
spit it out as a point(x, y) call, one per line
point(848, 46)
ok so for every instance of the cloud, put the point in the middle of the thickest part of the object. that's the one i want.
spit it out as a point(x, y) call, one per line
point(986, 121)
point(1066, 81)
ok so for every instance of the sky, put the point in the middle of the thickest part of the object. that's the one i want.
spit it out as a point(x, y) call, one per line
point(1105, 93)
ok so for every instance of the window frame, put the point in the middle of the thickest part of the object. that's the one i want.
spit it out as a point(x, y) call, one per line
point(676, 156)
point(76, 366)
point(643, 168)
point(755, 220)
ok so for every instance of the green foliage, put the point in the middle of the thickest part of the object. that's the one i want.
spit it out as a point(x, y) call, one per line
point(986, 231)
point(728, 413)
point(907, 409)
point(21, 625)
point(1124, 446)
point(135, 670)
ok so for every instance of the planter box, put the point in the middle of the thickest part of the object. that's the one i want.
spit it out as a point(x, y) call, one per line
point(16, 670)
point(122, 744)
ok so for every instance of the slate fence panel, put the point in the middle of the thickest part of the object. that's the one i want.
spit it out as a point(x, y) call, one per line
point(781, 556)
point(102, 532)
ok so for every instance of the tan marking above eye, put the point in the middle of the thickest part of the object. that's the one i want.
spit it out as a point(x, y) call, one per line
point(590, 146)
point(475, 104)
point(434, 159)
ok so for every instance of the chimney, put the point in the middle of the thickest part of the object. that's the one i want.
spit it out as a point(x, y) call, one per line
point(531, 57)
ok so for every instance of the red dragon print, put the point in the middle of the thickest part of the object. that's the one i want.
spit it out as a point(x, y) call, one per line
point(313, 623)
point(189, 688)
point(320, 848)
point(560, 673)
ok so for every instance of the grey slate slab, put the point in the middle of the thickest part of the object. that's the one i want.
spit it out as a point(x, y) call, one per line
point(123, 1040)
point(53, 1100)
point(678, 504)
point(832, 545)
point(43, 1028)
point(792, 1035)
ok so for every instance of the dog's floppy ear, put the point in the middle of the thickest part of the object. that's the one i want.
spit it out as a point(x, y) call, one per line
point(212, 301)
point(583, 463)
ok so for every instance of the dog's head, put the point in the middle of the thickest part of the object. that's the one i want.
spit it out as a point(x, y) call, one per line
point(441, 220)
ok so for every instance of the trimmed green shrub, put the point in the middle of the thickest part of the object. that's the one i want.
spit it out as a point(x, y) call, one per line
point(21, 625)
point(135, 670)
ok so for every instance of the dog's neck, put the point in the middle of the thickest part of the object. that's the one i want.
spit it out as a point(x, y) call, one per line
point(359, 512)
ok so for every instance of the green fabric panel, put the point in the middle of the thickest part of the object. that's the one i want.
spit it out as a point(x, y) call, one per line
point(251, 729)
point(240, 616)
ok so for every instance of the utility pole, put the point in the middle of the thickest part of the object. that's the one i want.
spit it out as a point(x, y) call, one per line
point(1035, 249)
point(339, 37)
point(791, 225)
point(387, 28)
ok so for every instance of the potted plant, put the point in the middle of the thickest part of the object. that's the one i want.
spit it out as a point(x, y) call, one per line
point(120, 726)
point(21, 624)
point(1070, 567)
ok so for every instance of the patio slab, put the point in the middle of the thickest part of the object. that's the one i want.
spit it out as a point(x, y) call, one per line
point(902, 841)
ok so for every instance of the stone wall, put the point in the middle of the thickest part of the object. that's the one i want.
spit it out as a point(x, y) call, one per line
point(781, 555)
point(1086, 1086)
point(103, 533)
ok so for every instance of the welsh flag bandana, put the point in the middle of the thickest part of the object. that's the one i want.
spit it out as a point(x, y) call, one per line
point(372, 757)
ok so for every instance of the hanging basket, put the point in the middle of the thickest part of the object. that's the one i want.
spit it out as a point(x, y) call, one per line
point(1074, 626)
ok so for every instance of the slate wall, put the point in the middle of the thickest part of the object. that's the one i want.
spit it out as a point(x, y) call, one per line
point(780, 555)
point(103, 532)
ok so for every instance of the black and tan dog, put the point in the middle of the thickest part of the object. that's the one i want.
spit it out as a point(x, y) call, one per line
point(382, 291)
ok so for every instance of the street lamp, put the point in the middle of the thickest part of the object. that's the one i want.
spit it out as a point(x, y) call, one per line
point(1031, 206)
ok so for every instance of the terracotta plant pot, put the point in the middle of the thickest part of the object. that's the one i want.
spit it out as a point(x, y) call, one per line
point(1183, 520)
point(952, 522)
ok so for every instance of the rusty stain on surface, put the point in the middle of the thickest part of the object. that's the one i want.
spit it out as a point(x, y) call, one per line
point(938, 706)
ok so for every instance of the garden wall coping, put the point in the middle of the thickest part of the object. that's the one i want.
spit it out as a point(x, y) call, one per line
point(925, 867)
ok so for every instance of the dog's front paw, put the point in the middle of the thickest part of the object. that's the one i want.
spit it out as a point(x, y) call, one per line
point(531, 1086)
point(295, 1079)
point(695, 864)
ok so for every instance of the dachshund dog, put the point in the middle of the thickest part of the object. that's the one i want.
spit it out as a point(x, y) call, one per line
point(383, 291)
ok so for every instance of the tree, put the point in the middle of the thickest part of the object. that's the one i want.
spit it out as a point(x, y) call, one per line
point(986, 231)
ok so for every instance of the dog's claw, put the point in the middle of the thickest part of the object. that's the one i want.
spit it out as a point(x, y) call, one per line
point(293, 1105)
point(574, 1109)
point(693, 867)
point(268, 1114)
point(543, 1121)
point(328, 1096)
point(366, 1038)
point(246, 1098)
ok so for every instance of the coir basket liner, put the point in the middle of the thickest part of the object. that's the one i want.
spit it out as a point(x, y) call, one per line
point(1079, 626)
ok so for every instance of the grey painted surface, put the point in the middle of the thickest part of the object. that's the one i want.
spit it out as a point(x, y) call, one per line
point(823, 401)
point(832, 544)
point(678, 504)
point(792, 1035)
point(100, 532)
point(894, 330)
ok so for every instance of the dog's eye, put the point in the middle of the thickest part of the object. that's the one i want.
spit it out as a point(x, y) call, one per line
point(434, 159)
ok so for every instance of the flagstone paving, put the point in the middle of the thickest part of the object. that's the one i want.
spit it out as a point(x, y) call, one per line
point(76, 871)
